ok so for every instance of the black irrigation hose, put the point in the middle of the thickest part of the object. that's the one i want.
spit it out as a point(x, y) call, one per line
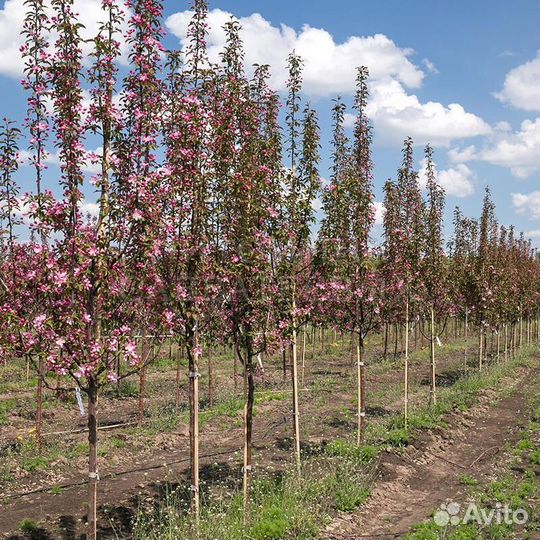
point(117, 473)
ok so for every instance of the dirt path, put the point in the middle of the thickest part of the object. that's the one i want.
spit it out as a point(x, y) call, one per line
point(414, 484)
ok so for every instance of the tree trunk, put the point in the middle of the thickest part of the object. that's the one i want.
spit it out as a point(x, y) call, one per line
point(303, 357)
point(385, 349)
point(296, 410)
point(178, 372)
point(505, 341)
point(361, 379)
point(314, 334)
point(395, 341)
point(193, 358)
point(142, 388)
point(92, 458)
point(118, 373)
point(39, 407)
point(406, 369)
point(480, 349)
point(210, 378)
point(432, 390)
point(249, 400)
point(466, 333)
point(284, 363)
point(235, 367)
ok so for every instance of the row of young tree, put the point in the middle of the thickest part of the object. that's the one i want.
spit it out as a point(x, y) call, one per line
point(203, 232)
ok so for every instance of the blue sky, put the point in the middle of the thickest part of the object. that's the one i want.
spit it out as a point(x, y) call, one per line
point(462, 75)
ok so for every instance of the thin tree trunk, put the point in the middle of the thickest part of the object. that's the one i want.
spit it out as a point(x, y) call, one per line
point(395, 341)
point(235, 367)
point(314, 334)
point(296, 409)
point(520, 329)
point(178, 372)
point(385, 350)
point(193, 358)
point(118, 373)
point(361, 379)
point(39, 406)
point(432, 393)
point(303, 356)
point(284, 363)
point(406, 369)
point(505, 341)
point(210, 378)
point(92, 458)
point(142, 389)
point(466, 333)
point(480, 349)
point(249, 400)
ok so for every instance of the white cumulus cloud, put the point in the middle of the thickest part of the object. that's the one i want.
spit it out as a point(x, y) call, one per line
point(380, 210)
point(535, 233)
point(459, 156)
point(527, 204)
point(519, 151)
point(397, 115)
point(329, 67)
point(11, 26)
point(521, 87)
point(457, 181)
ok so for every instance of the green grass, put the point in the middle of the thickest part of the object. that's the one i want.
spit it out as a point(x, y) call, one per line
point(467, 480)
point(28, 526)
point(359, 454)
point(6, 406)
point(281, 506)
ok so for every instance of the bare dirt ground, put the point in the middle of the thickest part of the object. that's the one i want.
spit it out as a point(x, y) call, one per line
point(411, 486)
point(147, 461)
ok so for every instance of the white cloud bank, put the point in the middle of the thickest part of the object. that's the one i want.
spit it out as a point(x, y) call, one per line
point(518, 151)
point(527, 204)
point(11, 26)
point(456, 181)
point(329, 69)
point(397, 115)
point(521, 87)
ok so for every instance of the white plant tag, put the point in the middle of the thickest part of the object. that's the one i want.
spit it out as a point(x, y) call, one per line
point(79, 400)
point(259, 360)
point(438, 341)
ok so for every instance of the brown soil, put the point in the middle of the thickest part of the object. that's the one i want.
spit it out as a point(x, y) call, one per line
point(146, 463)
point(412, 485)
